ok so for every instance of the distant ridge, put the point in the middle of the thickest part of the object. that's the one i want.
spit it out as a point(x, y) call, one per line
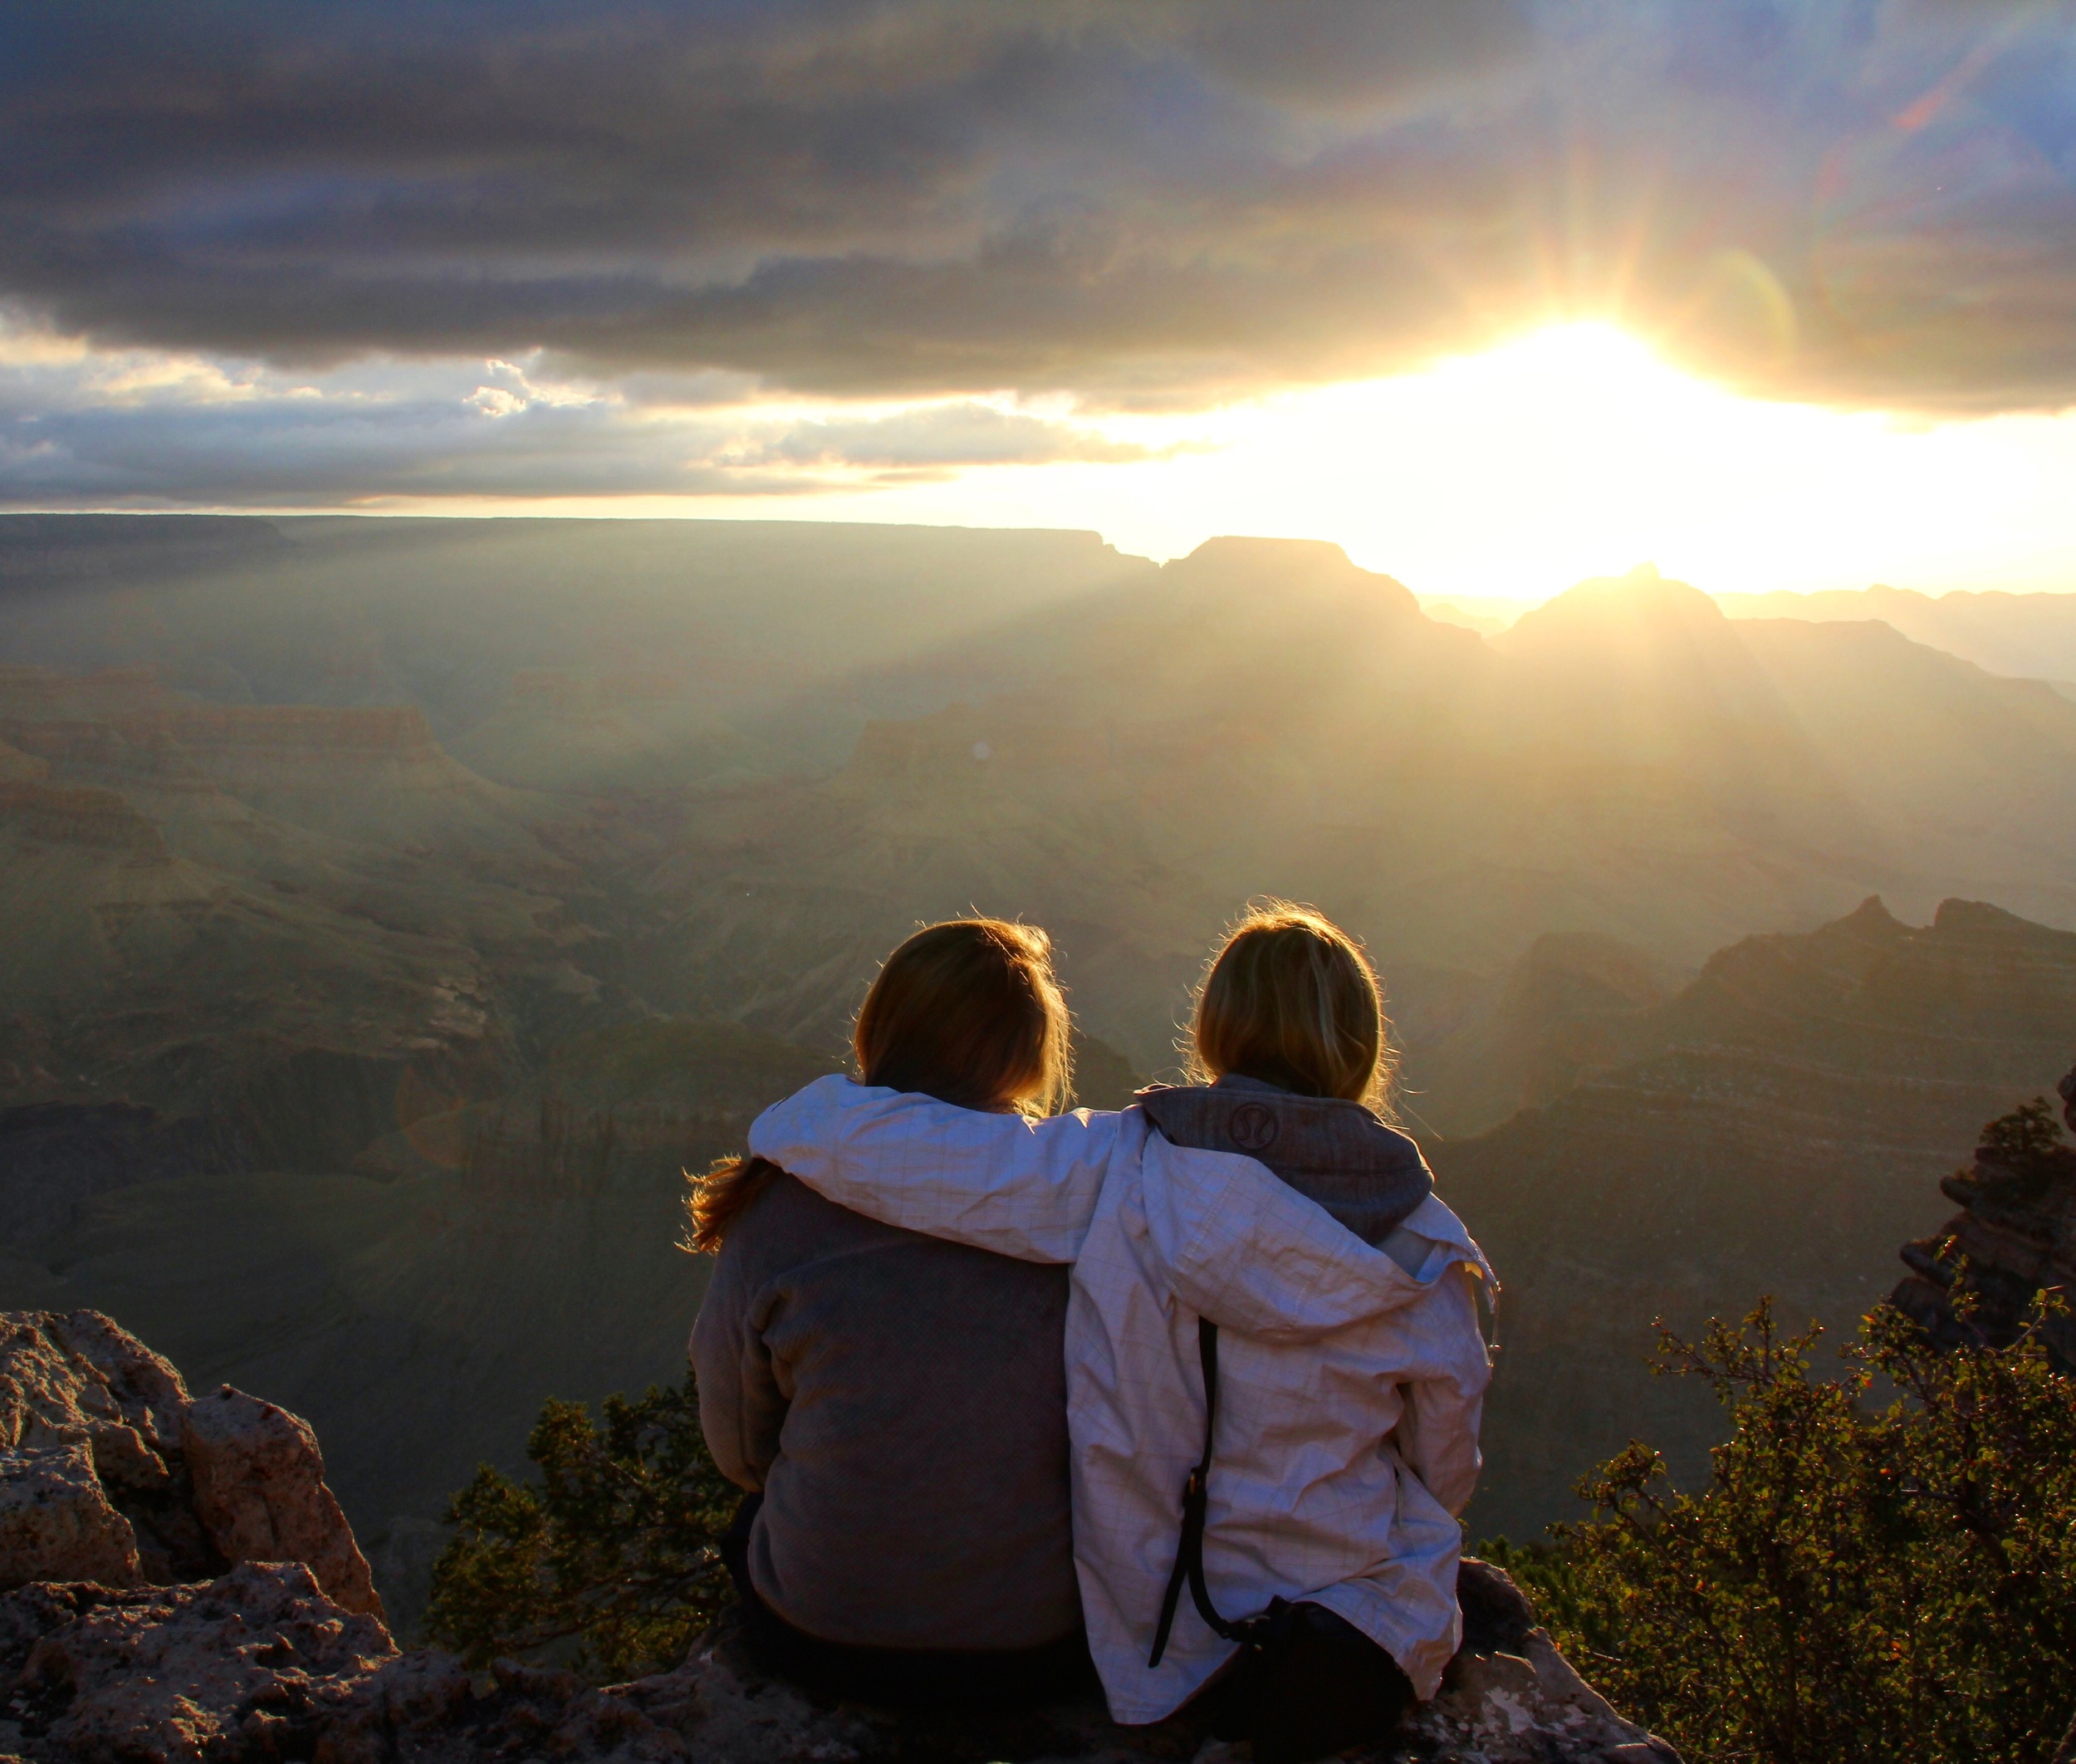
point(2026, 636)
point(1778, 1126)
point(61, 546)
point(1285, 567)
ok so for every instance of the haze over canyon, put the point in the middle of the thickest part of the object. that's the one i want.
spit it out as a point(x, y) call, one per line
point(394, 907)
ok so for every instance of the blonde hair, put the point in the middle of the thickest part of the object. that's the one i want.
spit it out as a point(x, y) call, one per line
point(967, 1011)
point(1290, 998)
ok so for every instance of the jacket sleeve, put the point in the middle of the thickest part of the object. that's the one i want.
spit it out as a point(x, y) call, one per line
point(999, 1181)
point(741, 1407)
point(1239, 1247)
point(1444, 1400)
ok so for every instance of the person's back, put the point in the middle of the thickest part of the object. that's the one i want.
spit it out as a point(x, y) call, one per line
point(896, 1405)
point(901, 1402)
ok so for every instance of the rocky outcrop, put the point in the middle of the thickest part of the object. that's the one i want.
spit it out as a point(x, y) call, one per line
point(259, 1665)
point(180, 1584)
point(110, 1473)
point(1974, 1280)
point(177, 1583)
point(1509, 1696)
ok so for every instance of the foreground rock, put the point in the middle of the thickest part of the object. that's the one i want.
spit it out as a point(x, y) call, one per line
point(260, 1665)
point(178, 1585)
point(2014, 1238)
point(244, 1667)
point(112, 1473)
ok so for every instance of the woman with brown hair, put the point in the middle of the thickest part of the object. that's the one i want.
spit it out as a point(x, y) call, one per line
point(1274, 1367)
point(895, 1402)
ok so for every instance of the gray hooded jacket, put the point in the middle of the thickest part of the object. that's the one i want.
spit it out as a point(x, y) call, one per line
point(1369, 1176)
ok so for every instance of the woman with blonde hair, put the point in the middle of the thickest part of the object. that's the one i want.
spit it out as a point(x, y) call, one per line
point(1275, 1369)
point(896, 1404)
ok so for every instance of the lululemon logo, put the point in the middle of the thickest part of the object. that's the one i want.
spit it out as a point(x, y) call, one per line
point(1253, 1127)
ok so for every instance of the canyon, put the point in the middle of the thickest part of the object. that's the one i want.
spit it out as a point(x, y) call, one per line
point(395, 909)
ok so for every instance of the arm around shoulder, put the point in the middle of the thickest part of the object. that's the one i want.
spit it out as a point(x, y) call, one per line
point(999, 1181)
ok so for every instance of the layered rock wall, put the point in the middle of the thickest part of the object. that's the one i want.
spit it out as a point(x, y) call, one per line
point(97, 820)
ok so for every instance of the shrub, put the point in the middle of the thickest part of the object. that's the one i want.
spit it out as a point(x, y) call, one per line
point(1857, 1580)
point(611, 1560)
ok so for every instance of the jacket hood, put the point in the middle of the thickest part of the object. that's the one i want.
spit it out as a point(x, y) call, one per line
point(1368, 1176)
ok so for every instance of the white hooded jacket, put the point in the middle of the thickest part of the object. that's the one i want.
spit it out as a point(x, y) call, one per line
point(1351, 1380)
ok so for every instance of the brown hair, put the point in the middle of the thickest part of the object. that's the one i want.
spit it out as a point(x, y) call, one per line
point(967, 1011)
point(1290, 998)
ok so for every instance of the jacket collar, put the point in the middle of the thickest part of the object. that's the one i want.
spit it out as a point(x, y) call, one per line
point(1369, 1176)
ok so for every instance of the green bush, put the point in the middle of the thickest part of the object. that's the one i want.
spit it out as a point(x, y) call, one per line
point(1881, 1566)
point(611, 1560)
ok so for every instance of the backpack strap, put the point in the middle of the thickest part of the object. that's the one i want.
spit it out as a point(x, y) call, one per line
point(1249, 1632)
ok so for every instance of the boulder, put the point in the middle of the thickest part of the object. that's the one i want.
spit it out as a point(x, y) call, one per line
point(110, 1473)
point(259, 1493)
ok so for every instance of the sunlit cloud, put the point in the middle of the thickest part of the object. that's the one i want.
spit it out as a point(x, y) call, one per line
point(962, 433)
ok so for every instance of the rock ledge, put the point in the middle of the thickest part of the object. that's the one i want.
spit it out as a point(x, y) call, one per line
point(178, 1586)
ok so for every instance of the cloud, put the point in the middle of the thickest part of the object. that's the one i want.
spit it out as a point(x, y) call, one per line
point(948, 435)
point(149, 428)
point(1133, 201)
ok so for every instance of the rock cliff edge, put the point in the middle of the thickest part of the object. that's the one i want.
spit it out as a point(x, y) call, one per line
point(178, 1583)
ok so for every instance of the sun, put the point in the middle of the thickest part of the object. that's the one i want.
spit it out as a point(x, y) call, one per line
point(1576, 366)
point(1568, 451)
point(1581, 449)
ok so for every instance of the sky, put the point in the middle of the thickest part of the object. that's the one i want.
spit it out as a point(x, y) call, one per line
point(1497, 295)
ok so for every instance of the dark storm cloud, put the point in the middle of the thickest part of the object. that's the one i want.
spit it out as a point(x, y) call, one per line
point(1138, 202)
